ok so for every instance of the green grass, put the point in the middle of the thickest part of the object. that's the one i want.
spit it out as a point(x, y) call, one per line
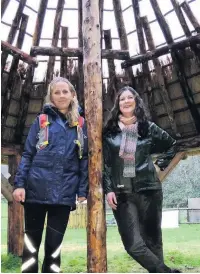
point(181, 250)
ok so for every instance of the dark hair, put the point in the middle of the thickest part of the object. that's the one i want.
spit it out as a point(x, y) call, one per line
point(111, 126)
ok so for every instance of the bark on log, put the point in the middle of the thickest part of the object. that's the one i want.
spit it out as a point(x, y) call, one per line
point(76, 52)
point(13, 31)
point(96, 231)
point(161, 51)
point(64, 44)
point(9, 49)
point(56, 31)
point(15, 215)
point(191, 16)
point(159, 76)
point(123, 37)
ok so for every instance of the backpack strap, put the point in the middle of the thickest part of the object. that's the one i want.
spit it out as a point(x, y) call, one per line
point(43, 134)
point(80, 135)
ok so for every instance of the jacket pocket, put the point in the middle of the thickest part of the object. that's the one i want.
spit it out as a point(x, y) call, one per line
point(44, 159)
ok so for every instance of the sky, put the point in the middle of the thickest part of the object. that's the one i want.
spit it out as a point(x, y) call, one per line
point(70, 19)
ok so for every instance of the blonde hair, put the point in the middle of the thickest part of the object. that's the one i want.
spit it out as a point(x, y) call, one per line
point(73, 113)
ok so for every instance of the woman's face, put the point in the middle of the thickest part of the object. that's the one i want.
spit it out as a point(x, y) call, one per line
point(127, 103)
point(61, 96)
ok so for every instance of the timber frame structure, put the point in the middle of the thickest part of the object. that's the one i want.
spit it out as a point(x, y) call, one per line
point(170, 90)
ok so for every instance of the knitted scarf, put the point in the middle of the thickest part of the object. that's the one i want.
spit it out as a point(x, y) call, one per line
point(129, 128)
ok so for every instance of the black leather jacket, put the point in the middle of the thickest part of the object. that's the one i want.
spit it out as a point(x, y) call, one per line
point(156, 141)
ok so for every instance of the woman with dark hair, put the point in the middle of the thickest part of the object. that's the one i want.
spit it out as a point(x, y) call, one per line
point(131, 183)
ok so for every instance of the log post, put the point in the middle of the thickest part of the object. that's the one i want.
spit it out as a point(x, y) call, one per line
point(123, 37)
point(13, 31)
point(63, 60)
point(80, 90)
point(56, 31)
point(12, 75)
point(190, 15)
point(159, 76)
point(27, 87)
point(112, 84)
point(146, 92)
point(4, 5)
point(96, 232)
point(179, 66)
point(15, 214)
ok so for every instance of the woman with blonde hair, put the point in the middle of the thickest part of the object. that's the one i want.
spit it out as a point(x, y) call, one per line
point(52, 172)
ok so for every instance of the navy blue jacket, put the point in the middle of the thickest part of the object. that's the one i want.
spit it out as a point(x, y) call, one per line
point(54, 174)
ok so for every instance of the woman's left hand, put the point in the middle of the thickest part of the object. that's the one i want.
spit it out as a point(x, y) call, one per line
point(81, 199)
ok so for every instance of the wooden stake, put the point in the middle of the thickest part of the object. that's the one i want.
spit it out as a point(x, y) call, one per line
point(113, 87)
point(4, 5)
point(80, 90)
point(15, 215)
point(123, 37)
point(64, 44)
point(191, 16)
point(13, 31)
point(96, 232)
point(56, 31)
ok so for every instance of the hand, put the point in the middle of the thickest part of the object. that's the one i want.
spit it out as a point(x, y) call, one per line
point(112, 200)
point(81, 199)
point(157, 168)
point(19, 194)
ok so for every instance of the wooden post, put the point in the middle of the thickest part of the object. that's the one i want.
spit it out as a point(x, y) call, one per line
point(96, 232)
point(123, 37)
point(4, 5)
point(76, 52)
point(64, 44)
point(56, 31)
point(80, 90)
point(112, 86)
point(159, 76)
point(13, 31)
point(146, 92)
point(15, 215)
point(191, 16)
point(179, 65)
point(27, 87)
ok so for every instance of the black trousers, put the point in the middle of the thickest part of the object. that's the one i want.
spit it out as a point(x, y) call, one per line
point(139, 216)
point(57, 219)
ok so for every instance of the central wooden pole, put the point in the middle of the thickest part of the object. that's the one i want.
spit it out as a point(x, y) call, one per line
point(96, 231)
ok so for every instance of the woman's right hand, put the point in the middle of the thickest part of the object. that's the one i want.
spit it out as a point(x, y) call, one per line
point(112, 200)
point(19, 194)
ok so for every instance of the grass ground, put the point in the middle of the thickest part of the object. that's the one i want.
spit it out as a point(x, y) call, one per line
point(181, 250)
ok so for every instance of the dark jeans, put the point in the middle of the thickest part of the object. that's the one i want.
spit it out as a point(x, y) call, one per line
point(138, 216)
point(57, 219)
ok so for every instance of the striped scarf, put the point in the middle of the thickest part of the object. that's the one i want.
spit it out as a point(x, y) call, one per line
point(128, 146)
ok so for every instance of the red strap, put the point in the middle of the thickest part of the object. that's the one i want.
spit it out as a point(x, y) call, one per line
point(43, 119)
point(80, 121)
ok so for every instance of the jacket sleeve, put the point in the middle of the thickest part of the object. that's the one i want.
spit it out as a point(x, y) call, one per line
point(27, 156)
point(162, 143)
point(83, 168)
point(107, 182)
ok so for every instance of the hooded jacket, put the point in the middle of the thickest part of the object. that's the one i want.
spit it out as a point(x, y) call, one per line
point(54, 174)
